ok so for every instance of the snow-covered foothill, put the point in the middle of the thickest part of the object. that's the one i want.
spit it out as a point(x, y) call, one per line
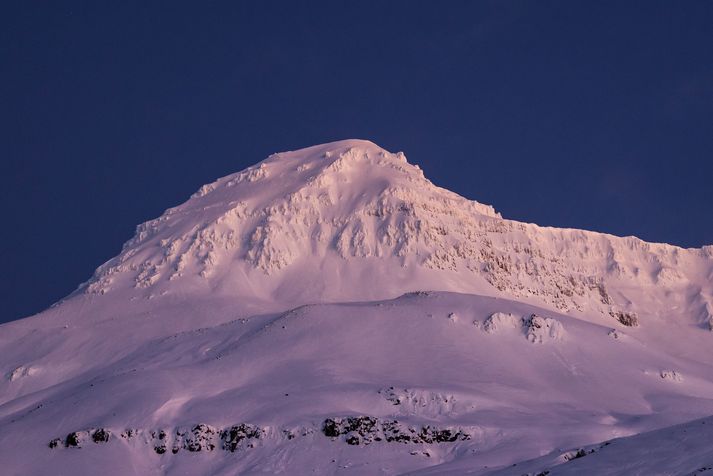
point(679, 449)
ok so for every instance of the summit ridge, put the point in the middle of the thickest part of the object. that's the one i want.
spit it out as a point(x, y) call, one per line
point(308, 225)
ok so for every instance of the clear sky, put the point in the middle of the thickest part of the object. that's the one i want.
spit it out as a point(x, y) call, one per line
point(595, 115)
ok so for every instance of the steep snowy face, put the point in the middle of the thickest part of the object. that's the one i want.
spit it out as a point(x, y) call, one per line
point(350, 221)
point(329, 204)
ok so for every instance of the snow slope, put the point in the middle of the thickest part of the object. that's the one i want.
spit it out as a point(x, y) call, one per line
point(277, 322)
point(680, 449)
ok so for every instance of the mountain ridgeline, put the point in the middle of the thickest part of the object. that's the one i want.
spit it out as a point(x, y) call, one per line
point(307, 226)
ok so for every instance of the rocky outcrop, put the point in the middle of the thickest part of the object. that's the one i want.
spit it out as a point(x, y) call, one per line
point(365, 430)
point(537, 329)
point(77, 439)
point(198, 438)
point(356, 430)
point(498, 321)
point(423, 402)
point(242, 435)
point(671, 375)
point(628, 319)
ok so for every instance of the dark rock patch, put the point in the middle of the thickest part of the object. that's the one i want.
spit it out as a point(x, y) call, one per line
point(100, 435)
point(73, 440)
point(200, 438)
point(629, 319)
point(366, 429)
point(129, 433)
point(235, 435)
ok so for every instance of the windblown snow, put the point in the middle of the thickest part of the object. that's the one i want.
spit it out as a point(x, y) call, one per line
point(330, 310)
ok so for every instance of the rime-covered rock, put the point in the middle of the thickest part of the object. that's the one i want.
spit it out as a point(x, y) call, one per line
point(538, 329)
point(671, 375)
point(500, 320)
point(628, 319)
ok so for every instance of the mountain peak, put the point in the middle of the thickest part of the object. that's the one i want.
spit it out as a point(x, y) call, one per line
point(288, 171)
point(350, 221)
point(340, 200)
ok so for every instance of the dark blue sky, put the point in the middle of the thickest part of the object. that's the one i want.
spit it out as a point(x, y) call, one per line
point(595, 115)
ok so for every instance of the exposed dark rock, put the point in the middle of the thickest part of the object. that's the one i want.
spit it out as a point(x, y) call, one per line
point(428, 435)
point(580, 453)
point(628, 319)
point(362, 425)
point(603, 294)
point(417, 294)
point(330, 428)
point(200, 438)
point(72, 440)
point(356, 430)
point(365, 430)
point(391, 395)
point(392, 432)
point(236, 434)
point(100, 435)
point(420, 453)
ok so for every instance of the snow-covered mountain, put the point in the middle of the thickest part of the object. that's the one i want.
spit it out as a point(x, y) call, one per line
point(331, 310)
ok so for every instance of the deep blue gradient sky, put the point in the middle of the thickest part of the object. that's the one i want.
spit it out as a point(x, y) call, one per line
point(595, 115)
